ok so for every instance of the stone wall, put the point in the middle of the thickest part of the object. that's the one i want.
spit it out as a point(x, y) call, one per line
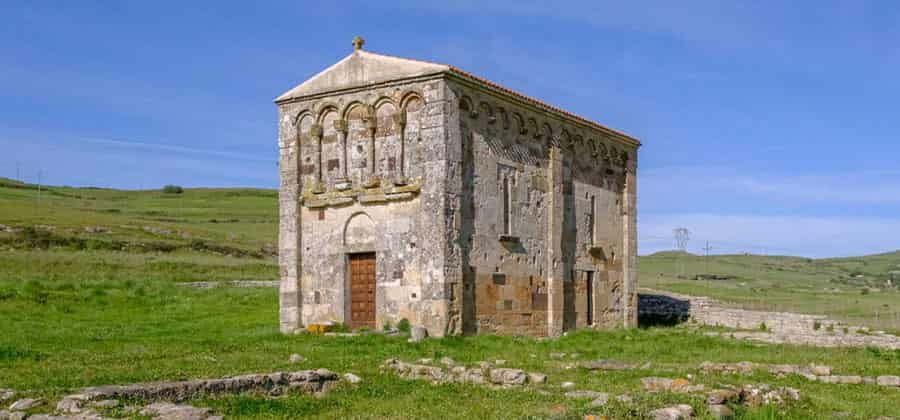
point(566, 223)
point(340, 196)
point(773, 327)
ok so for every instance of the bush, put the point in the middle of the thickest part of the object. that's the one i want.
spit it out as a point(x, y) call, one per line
point(172, 189)
point(403, 325)
point(817, 325)
point(386, 326)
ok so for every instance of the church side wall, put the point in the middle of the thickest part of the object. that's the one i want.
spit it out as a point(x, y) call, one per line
point(566, 234)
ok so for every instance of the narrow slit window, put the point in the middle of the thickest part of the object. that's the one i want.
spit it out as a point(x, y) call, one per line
point(507, 207)
point(592, 231)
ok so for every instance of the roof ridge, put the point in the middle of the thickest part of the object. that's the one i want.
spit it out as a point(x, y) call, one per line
point(515, 93)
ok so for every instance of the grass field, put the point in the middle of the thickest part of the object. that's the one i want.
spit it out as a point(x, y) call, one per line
point(850, 289)
point(81, 308)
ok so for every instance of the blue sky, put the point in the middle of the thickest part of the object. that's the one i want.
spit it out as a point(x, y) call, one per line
point(767, 126)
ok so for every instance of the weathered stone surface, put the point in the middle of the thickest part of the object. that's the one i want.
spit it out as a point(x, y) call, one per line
point(722, 396)
point(567, 385)
point(820, 370)
point(654, 384)
point(675, 412)
point(11, 415)
point(296, 358)
point(507, 376)
point(26, 404)
point(447, 361)
point(537, 378)
point(70, 405)
point(604, 364)
point(6, 394)
point(170, 411)
point(585, 395)
point(417, 334)
point(718, 411)
point(842, 379)
point(761, 394)
point(600, 401)
point(353, 379)
point(888, 380)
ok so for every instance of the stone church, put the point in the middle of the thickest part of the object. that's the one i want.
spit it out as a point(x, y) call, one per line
point(415, 190)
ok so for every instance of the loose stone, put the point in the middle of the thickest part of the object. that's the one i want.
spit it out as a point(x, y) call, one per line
point(567, 385)
point(353, 379)
point(417, 333)
point(675, 412)
point(888, 380)
point(25, 404)
point(601, 400)
point(585, 395)
point(296, 358)
point(537, 378)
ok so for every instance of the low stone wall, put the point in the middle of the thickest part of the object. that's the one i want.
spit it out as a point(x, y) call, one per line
point(658, 307)
point(308, 381)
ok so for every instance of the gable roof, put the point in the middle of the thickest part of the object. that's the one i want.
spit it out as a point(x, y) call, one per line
point(362, 68)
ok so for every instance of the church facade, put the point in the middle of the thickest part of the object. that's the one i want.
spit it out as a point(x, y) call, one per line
point(414, 190)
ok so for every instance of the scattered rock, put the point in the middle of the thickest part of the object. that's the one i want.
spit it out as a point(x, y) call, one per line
point(820, 370)
point(675, 412)
point(425, 361)
point(11, 415)
point(70, 405)
point(6, 394)
point(417, 333)
point(757, 395)
point(537, 378)
point(26, 404)
point(719, 411)
point(585, 394)
point(600, 401)
point(446, 361)
point(296, 358)
point(604, 364)
point(744, 368)
point(841, 379)
point(506, 376)
point(170, 411)
point(567, 385)
point(654, 384)
point(888, 380)
point(722, 396)
point(353, 379)
point(499, 362)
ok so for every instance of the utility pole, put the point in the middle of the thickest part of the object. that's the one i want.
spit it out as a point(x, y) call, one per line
point(707, 248)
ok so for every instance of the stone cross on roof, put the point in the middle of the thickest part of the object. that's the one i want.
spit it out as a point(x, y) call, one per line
point(358, 43)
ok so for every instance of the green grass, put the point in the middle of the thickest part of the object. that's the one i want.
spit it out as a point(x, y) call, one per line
point(836, 287)
point(74, 316)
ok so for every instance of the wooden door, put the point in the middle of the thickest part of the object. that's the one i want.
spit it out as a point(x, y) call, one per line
point(362, 290)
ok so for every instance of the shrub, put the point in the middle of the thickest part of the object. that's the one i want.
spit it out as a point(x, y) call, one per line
point(172, 189)
point(403, 325)
point(817, 325)
point(386, 326)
